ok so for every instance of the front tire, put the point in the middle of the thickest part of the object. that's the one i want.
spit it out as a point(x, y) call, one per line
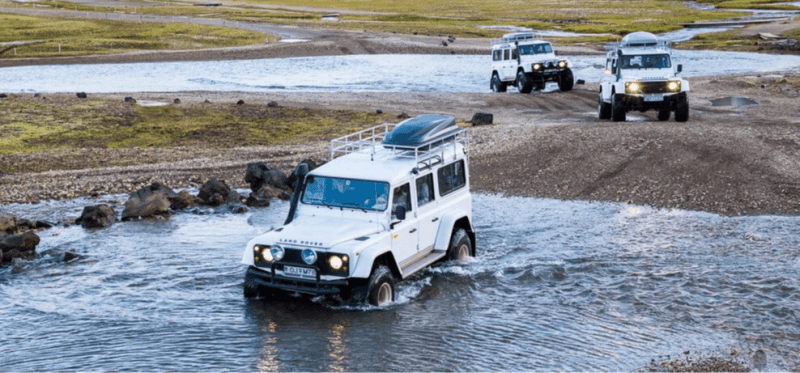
point(250, 289)
point(682, 110)
point(566, 81)
point(603, 108)
point(460, 246)
point(663, 115)
point(524, 85)
point(617, 109)
point(497, 85)
point(379, 290)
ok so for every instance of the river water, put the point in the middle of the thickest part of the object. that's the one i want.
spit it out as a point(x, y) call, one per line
point(555, 286)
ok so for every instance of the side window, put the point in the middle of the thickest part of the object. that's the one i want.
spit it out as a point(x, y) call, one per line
point(514, 54)
point(425, 189)
point(505, 54)
point(402, 197)
point(451, 177)
point(497, 55)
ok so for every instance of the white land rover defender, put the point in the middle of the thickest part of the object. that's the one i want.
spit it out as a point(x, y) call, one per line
point(639, 75)
point(529, 63)
point(393, 200)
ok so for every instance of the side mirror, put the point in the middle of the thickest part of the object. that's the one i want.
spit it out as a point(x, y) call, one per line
point(680, 67)
point(400, 212)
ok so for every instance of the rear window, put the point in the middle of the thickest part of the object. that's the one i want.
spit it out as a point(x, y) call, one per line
point(451, 178)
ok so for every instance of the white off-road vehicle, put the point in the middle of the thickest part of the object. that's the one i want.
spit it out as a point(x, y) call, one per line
point(522, 60)
point(393, 200)
point(639, 75)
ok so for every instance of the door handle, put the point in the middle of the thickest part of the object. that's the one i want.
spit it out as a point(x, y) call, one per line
point(435, 219)
point(413, 230)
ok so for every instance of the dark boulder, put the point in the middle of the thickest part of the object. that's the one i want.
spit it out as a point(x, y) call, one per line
point(81, 94)
point(130, 99)
point(481, 119)
point(580, 81)
point(176, 101)
point(292, 179)
point(239, 209)
point(444, 43)
point(272, 104)
point(259, 174)
point(148, 201)
point(379, 111)
point(261, 197)
point(97, 216)
point(240, 102)
point(214, 192)
point(18, 246)
point(184, 201)
point(403, 116)
point(234, 197)
point(69, 255)
point(3, 95)
point(34, 224)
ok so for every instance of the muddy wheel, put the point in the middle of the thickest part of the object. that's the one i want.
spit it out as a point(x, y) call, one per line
point(524, 85)
point(380, 288)
point(617, 110)
point(460, 246)
point(663, 114)
point(566, 81)
point(250, 288)
point(603, 108)
point(497, 85)
point(682, 110)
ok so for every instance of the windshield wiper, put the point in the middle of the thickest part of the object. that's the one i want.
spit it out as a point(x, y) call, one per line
point(354, 205)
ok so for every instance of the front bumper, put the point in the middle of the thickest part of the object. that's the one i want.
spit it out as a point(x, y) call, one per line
point(270, 280)
point(548, 74)
point(637, 102)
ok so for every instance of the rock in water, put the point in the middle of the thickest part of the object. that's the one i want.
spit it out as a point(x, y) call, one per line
point(214, 192)
point(18, 246)
point(97, 216)
point(184, 201)
point(8, 223)
point(147, 202)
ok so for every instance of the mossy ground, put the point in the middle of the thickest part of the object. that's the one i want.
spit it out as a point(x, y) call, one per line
point(31, 125)
point(750, 4)
point(734, 40)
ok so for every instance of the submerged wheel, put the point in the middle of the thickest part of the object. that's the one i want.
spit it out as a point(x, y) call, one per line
point(566, 81)
point(460, 246)
point(663, 114)
point(250, 288)
point(682, 110)
point(497, 85)
point(617, 110)
point(524, 85)
point(603, 108)
point(379, 290)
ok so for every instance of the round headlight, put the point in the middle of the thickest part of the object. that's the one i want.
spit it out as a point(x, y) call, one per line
point(633, 87)
point(537, 66)
point(673, 86)
point(562, 64)
point(335, 262)
point(309, 256)
point(277, 253)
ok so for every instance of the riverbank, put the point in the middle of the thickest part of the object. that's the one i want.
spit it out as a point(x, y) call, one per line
point(726, 159)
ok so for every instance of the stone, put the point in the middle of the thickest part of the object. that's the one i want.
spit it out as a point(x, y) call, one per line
point(147, 202)
point(97, 216)
point(403, 116)
point(130, 99)
point(3, 95)
point(240, 102)
point(37, 95)
point(259, 174)
point(580, 81)
point(176, 101)
point(69, 255)
point(184, 201)
point(261, 197)
point(379, 111)
point(444, 43)
point(214, 192)
point(18, 245)
point(238, 209)
point(81, 94)
point(481, 119)
point(272, 104)
point(8, 223)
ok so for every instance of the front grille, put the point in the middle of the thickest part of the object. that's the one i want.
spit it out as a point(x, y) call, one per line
point(294, 257)
point(653, 87)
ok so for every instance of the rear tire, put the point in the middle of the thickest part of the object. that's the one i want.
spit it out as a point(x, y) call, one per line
point(566, 81)
point(603, 108)
point(682, 110)
point(663, 114)
point(460, 246)
point(497, 85)
point(524, 85)
point(617, 110)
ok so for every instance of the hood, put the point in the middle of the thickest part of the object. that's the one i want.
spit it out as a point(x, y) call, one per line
point(649, 74)
point(324, 232)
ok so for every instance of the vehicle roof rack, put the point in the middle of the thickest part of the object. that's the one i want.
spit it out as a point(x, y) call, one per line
point(423, 139)
point(639, 39)
point(517, 36)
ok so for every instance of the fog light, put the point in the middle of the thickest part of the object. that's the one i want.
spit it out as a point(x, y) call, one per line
point(277, 253)
point(309, 256)
point(562, 64)
point(335, 262)
point(537, 66)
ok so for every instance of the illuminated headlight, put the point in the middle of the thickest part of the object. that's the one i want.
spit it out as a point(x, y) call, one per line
point(562, 64)
point(537, 66)
point(632, 87)
point(277, 253)
point(262, 253)
point(674, 86)
point(335, 262)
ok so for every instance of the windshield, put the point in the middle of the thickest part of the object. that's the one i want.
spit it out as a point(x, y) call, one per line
point(647, 61)
point(336, 192)
point(535, 49)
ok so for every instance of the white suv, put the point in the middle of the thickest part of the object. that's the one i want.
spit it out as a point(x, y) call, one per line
point(639, 75)
point(522, 60)
point(393, 200)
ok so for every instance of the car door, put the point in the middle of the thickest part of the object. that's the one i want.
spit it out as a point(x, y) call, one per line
point(428, 213)
point(404, 232)
point(507, 64)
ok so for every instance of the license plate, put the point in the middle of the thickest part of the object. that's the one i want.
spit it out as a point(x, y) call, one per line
point(651, 98)
point(299, 271)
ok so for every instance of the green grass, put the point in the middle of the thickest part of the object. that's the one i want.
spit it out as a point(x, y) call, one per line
point(750, 4)
point(78, 37)
point(33, 125)
point(733, 40)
